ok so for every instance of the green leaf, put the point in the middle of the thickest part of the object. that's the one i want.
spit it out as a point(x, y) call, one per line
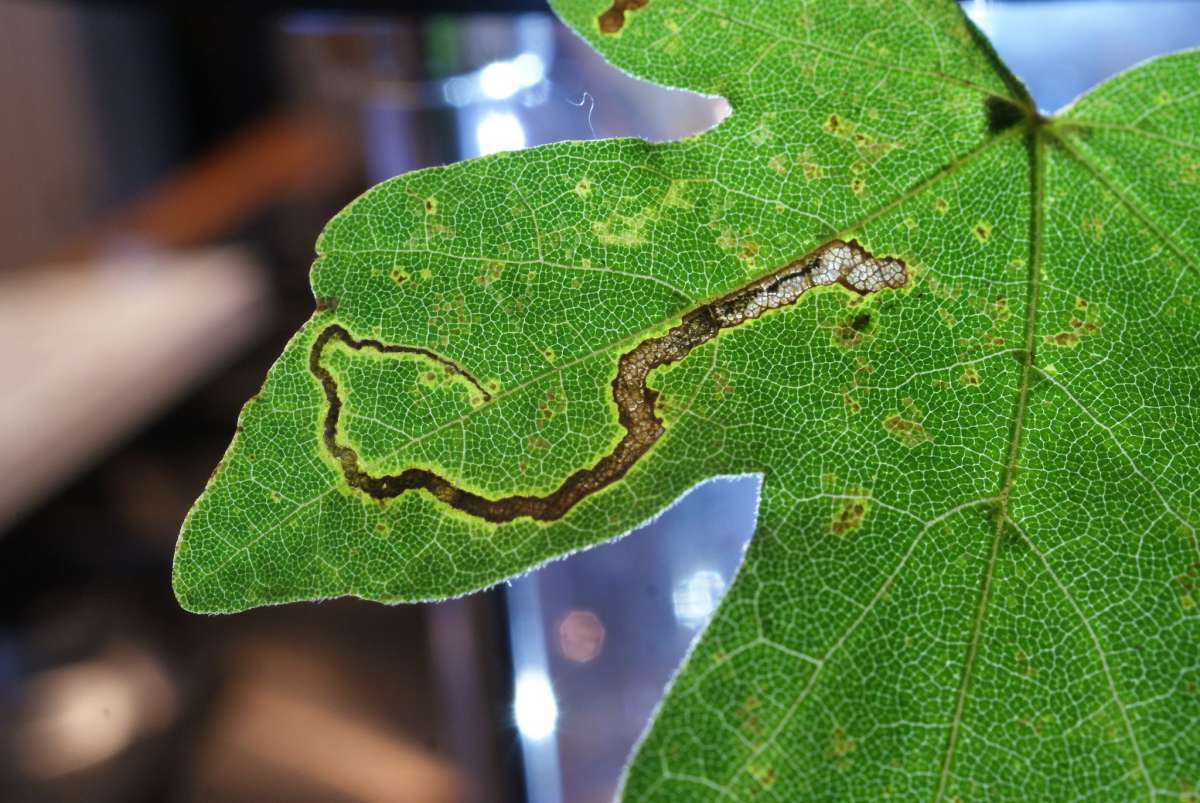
point(976, 563)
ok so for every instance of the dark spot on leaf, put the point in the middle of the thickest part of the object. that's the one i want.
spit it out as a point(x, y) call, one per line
point(850, 333)
point(326, 304)
point(613, 19)
point(1002, 113)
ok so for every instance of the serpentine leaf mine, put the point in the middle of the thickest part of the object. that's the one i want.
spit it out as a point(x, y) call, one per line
point(837, 262)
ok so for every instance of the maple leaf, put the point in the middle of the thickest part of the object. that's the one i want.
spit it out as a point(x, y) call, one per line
point(959, 340)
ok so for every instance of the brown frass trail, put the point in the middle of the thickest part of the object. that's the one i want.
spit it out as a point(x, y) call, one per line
point(838, 262)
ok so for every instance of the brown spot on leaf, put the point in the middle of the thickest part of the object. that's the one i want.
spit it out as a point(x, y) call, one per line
point(982, 231)
point(811, 169)
point(999, 310)
point(910, 433)
point(764, 775)
point(849, 516)
point(850, 333)
point(747, 252)
point(970, 376)
point(1077, 328)
point(489, 273)
point(613, 19)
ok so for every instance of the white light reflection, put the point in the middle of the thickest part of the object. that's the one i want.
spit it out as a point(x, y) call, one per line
point(499, 131)
point(499, 80)
point(459, 90)
point(697, 597)
point(503, 79)
point(534, 706)
point(529, 68)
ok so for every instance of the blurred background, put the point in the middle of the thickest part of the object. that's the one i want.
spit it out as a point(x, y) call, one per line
point(165, 175)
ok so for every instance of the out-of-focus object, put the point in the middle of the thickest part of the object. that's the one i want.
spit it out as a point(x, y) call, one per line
point(280, 159)
point(88, 354)
point(86, 713)
point(349, 756)
point(580, 636)
point(49, 156)
point(292, 721)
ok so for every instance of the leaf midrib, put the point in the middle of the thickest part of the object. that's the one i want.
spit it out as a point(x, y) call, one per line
point(1042, 130)
point(1036, 132)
